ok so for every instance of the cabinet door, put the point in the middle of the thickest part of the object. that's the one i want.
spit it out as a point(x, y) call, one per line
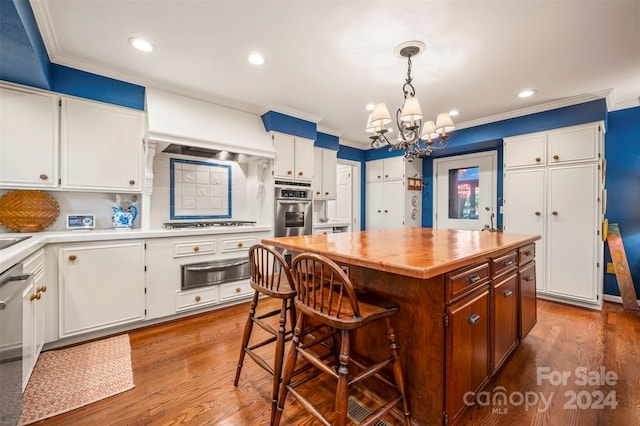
point(374, 171)
point(101, 147)
point(505, 318)
point(329, 173)
point(29, 302)
point(304, 159)
point(394, 206)
point(577, 143)
point(317, 173)
point(467, 351)
point(572, 232)
point(28, 139)
point(283, 165)
point(525, 209)
point(393, 168)
point(528, 301)
point(100, 285)
point(528, 150)
point(375, 205)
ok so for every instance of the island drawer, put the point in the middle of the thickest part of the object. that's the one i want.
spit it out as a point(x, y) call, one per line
point(505, 263)
point(463, 280)
point(526, 254)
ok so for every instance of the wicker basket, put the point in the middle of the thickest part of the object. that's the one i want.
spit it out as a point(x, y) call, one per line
point(28, 211)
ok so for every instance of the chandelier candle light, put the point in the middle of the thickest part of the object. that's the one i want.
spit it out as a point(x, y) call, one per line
point(409, 118)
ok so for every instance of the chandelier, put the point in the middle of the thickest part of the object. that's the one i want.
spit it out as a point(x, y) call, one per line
point(414, 138)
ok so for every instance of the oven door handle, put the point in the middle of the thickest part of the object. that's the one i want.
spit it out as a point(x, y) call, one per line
point(293, 202)
point(213, 267)
point(22, 277)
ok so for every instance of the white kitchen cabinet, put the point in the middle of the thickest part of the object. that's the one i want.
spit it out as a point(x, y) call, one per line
point(392, 168)
point(101, 285)
point(101, 147)
point(34, 309)
point(28, 139)
point(294, 157)
point(389, 203)
point(560, 200)
point(325, 174)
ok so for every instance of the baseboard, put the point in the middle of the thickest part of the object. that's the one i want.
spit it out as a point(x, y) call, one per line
point(614, 299)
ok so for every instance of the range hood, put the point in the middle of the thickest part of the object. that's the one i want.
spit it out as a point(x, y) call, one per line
point(188, 126)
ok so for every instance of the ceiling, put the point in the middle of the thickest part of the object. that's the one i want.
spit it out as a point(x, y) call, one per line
point(325, 60)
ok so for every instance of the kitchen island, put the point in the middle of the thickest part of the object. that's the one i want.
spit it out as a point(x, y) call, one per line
point(466, 298)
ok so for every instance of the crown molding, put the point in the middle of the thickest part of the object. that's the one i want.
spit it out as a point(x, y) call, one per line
point(561, 103)
point(626, 104)
point(45, 26)
point(290, 112)
point(355, 144)
point(329, 131)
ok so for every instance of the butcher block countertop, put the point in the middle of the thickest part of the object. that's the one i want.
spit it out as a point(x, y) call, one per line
point(414, 252)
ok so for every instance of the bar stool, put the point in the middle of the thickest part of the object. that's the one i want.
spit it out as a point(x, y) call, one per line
point(326, 295)
point(270, 276)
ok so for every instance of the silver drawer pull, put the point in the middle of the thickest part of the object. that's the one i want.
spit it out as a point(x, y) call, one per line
point(213, 267)
point(507, 262)
point(528, 279)
point(528, 253)
point(474, 318)
point(473, 278)
point(507, 293)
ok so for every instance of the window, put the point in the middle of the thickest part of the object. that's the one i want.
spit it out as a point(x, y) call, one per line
point(464, 193)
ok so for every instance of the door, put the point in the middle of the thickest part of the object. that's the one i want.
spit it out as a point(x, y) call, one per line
point(341, 208)
point(465, 191)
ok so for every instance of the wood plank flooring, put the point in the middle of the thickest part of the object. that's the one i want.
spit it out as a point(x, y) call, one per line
point(183, 372)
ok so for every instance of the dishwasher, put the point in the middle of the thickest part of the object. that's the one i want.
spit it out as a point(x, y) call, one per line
point(12, 285)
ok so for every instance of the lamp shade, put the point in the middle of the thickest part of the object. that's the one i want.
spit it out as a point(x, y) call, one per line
point(444, 123)
point(411, 110)
point(380, 115)
point(371, 128)
point(429, 131)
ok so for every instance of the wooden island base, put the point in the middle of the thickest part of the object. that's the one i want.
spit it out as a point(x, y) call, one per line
point(466, 300)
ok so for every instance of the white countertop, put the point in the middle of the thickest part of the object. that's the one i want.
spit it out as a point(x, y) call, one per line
point(330, 224)
point(19, 251)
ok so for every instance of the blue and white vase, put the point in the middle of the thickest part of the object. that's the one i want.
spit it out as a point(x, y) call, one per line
point(123, 219)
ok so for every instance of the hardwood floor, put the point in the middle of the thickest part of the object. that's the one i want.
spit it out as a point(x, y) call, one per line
point(184, 371)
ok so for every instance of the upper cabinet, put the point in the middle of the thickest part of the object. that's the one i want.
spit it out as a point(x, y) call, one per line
point(385, 169)
point(294, 157)
point(101, 147)
point(49, 141)
point(28, 139)
point(325, 174)
point(560, 146)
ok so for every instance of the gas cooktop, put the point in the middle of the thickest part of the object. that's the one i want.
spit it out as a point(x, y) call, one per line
point(181, 225)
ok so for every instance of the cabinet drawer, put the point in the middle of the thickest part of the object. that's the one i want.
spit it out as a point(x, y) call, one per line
point(235, 290)
point(503, 264)
point(237, 244)
point(461, 281)
point(526, 254)
point(196, 247)
point(196, 298)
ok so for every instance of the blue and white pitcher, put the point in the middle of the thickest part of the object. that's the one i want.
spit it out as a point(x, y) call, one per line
point(123, 219)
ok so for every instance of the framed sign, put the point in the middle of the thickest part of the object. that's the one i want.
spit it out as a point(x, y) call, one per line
point(200, 190)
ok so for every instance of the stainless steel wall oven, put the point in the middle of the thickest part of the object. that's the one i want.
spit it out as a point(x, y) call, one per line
point(293, 210)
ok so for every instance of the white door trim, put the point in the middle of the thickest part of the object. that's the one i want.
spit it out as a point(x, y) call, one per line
point(492, 155)
point(356, 190)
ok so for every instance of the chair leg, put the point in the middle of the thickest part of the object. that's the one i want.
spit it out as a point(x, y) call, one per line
point(277, 362)
point(289, 366)
point(342, 391)
point(397, 372)
point(247, 334)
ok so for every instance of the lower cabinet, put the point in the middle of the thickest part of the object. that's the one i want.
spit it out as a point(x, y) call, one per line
point(505, 318)
point(34, 303)
point(466, 351)
point(100, 285)
point(528, 304)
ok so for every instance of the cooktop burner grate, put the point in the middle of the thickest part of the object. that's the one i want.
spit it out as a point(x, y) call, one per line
point(180, 225)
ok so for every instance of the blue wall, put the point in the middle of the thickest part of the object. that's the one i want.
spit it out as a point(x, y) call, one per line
point(622, 152)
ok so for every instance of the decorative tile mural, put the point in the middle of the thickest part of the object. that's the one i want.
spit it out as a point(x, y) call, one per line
point(200, 190)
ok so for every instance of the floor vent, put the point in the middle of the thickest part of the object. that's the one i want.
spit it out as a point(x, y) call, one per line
point(357, 412)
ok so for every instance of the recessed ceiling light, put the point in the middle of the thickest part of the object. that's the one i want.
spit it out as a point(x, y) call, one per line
point(140, 44)
point(256, 59)
point(526, 93)
point(454, 113)
point(369, 107)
